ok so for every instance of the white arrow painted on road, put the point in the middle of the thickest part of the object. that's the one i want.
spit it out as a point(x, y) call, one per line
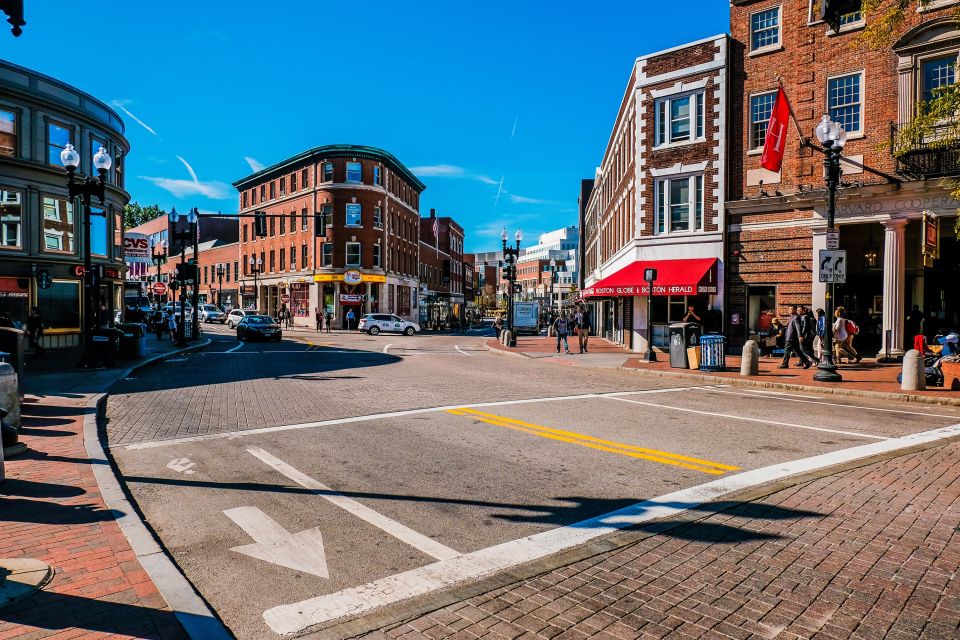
point(298, 551)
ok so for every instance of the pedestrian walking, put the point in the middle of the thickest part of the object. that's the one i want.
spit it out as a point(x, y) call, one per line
point(318, 315)
point(583, 328)
point(351, 316)
point(808, 331)
point(791, 343)
point(172, 326)
point(821, 331)
point(498, 324)
point(328, 322)
point(159, 323)
point(35, 330)
point(843, 332)
point(561, 327)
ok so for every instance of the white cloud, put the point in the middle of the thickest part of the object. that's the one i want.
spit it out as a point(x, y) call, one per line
point(119, 104)
point(193, 174)
point(181, 188)
point(255, 165)
point(486, 179)
point(439, 171)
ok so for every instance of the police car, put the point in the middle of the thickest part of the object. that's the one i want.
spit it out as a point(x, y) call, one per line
point(374, 323)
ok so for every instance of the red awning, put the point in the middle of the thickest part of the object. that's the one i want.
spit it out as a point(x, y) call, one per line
point(674, 278)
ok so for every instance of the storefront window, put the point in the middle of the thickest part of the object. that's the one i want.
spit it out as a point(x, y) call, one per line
point(58, 226)
point(60, 305)
point(11, 219)
point(761, 309)
point(14, 299)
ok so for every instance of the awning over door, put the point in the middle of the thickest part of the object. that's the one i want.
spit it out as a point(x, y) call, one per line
point(674, 278)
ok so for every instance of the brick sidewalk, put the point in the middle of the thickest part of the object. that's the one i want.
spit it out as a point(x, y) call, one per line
point(867, 553)
point(53, 512)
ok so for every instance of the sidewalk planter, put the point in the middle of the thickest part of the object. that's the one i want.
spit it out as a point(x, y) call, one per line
point(133, 340)
point(713, 353)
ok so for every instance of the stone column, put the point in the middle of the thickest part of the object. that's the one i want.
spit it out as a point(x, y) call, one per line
point(894, 249)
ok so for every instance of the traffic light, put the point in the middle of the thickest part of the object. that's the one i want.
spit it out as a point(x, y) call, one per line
point(831, 11)
point(319, 225)
point(260, 224)
point(187, 273)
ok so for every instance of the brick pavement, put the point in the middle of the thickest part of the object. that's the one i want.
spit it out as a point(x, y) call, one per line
point(867, 553)
point(53, 511)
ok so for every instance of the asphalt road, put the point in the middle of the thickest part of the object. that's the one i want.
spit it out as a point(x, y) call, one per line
point(397, 460)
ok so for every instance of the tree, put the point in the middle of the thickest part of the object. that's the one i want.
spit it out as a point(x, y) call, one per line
point(135, 215)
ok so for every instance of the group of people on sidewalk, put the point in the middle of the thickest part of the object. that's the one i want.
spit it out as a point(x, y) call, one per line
point(804, 335)
point(568, 322)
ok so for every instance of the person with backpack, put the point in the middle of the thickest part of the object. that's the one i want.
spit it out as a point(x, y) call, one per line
point(561, 327)
point(843, 332)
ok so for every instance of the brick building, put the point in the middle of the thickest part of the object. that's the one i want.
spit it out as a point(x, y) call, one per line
point(368, 258)
point(211, 254)
point(657, 197)
point(777, 220)
point(441, 270)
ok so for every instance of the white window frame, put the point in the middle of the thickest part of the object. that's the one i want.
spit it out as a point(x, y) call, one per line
point(346, 214)
point(769, 47)
point(326, 254)
point(863, 81)
point(323, 172)
point(929, 57)
point(377, 217)
point(662, 109)
point(346, 255)
point(347, 177)
point(662, 204)
point(755, 145)
point(377, 256)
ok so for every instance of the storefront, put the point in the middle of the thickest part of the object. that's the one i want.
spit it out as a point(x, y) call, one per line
point(622, 298)
point(351, 290)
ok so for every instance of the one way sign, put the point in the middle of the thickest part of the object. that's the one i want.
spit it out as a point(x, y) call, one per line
point(833, 266)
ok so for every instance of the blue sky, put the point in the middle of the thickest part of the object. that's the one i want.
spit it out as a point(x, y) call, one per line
point(500, 107)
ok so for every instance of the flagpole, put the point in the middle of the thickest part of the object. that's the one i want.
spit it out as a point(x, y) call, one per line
point(793, 116)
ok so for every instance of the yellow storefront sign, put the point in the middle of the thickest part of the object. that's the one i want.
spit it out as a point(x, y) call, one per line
point(338, 277)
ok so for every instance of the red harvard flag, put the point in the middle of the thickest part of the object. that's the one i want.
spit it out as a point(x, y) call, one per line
point(773, 145)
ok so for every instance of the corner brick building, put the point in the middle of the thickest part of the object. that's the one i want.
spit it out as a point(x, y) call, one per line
point(777, 220)
point(441, 270)
point(365, 257)
point(657, 199)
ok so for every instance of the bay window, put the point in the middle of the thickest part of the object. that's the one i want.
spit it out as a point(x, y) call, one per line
point(679, 206)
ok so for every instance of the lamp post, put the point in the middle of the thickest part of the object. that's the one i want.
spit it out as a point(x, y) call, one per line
point(650, 275)
point(86, 190)
point(832, 136)
point(220, 273)
point(553, 275)
point(158, 259)
point(510, 257)
point(183, 236)
point(256, 268)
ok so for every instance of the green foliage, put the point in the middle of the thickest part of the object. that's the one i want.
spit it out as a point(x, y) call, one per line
point(135, 215)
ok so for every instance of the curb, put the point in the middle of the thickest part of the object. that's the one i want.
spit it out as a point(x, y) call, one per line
point(197, 619)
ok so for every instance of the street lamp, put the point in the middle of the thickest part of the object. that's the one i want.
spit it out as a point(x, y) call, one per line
point(510, 256)
point(183, 236)
point(553, 274)
point(256, 268)
point(832, 136)
point(650, 276)
point(86, 190)
point(220, 273)
point(158, 259)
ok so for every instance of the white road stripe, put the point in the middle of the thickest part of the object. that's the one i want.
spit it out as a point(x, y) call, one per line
point(373, 416)
point(647, 391)
point(401, 532)
point(457, 347)
point(779, 396)
point(386, 348)
point(761, 420)
point(356, 601)
point(239, 345)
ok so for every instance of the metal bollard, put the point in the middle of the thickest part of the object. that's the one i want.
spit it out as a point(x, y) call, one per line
point(913, 377)
point(750, 359)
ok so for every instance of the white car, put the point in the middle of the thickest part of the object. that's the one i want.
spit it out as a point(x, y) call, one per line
point(212, 313)
point(374, 323)
point(235, 316)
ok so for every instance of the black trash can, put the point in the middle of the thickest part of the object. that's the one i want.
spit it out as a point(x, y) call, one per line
point(682, 336)
point(104, 343)
point(133, 340)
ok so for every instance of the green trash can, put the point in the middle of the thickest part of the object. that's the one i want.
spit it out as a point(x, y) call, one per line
point(133, 340)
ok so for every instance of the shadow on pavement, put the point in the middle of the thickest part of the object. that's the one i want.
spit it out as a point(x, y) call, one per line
point(45, 433)
point(579, 509)
point(33, 489)
point(252, 362)
point(57, 611)
point(43, 512)
point(43, 456)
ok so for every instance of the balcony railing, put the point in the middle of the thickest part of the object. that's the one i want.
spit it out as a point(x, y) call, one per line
point(936, 154)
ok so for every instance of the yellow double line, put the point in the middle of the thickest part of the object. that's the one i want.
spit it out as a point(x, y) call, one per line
point(654, 455)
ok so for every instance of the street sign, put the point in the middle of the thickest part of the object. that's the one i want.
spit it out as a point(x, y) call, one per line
point(833, 238)
point(284, 298)
point(517, 288)
point(159, 288)
point(833, 266)
point(44, 279)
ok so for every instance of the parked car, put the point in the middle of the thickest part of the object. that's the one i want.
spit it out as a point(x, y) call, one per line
point(252, 327)
point(235, 316)
point(212, 313)
point(374, 323)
